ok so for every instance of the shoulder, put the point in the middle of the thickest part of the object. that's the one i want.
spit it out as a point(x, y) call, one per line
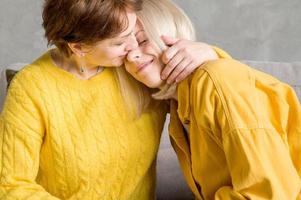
point(226, 68)
point(32, 74)
point(215, 81)
point(30, 79)
point(225, 73)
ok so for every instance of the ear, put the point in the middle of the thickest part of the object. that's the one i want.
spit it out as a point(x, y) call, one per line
point(76, 48)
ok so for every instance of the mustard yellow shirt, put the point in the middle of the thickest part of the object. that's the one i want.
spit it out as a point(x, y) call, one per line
point(244, 137)
point(65, 138)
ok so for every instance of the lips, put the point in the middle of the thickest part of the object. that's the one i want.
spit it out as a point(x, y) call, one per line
point(143, 66)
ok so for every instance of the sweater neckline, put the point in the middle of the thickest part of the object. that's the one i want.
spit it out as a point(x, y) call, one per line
point(68, 78)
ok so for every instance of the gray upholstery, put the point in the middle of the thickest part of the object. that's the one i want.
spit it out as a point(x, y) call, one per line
point(287, 72)
point(171, 185)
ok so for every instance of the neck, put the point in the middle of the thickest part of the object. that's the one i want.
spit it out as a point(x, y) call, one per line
point(73, 65)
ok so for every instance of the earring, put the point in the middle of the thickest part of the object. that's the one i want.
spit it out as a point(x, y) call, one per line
point(81, 67)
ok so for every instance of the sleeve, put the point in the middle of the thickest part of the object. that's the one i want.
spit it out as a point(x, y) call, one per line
point(21, 137)
point(258, 159)
point(260, 166)
point(221, 53)
point(293, 128)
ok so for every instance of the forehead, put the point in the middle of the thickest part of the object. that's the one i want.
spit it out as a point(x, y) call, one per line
point(138, 26)
point(132, 18)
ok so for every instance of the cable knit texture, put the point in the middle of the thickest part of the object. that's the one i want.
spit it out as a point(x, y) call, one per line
point(65, 138)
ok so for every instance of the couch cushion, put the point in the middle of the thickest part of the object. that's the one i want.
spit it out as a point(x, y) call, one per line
point(6, 75)
point(170, 180)
point(9, 76)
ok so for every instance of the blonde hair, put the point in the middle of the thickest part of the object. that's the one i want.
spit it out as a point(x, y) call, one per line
point(158, 17)
point(165, 18)
point(136, 95)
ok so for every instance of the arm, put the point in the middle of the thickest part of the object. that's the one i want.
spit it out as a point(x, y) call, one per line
point(294, 129)
point(260, 166)
point(184, 56)
point(21, 137)
point(257, 157)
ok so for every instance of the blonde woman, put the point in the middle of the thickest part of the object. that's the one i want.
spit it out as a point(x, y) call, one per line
point(236, 130)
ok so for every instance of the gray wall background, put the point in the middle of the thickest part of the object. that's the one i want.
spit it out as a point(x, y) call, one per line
point(267, 30)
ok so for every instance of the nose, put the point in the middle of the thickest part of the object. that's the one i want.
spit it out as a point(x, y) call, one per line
point(132, 43)
point(134, 55)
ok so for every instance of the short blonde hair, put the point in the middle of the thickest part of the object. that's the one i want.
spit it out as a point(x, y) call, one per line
point(158, 17)
point(165, 18)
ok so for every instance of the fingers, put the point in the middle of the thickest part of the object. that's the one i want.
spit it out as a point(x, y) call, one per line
point(171, 65)
point(185, 73)
point(170, 52)
point(183, 57)
point(169, 41)
point(180, 68)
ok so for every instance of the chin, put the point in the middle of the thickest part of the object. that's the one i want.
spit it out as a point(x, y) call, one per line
point(154, 84)
point(151, 86)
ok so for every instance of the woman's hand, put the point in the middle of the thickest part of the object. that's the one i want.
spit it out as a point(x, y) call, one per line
point(183, 57)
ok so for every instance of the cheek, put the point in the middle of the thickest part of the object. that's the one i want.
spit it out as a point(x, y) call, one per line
point(129, 68)
point(118, 51)
point(110, 53)
point(153, 50)
point(158, 67)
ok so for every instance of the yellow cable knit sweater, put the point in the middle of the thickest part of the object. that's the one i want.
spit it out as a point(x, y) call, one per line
point(65, 138)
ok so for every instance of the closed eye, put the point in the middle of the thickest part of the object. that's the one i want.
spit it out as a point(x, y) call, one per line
point(118, 44)
point(143, 42)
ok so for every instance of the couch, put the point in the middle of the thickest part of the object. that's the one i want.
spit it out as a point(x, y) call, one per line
point(170, 181)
